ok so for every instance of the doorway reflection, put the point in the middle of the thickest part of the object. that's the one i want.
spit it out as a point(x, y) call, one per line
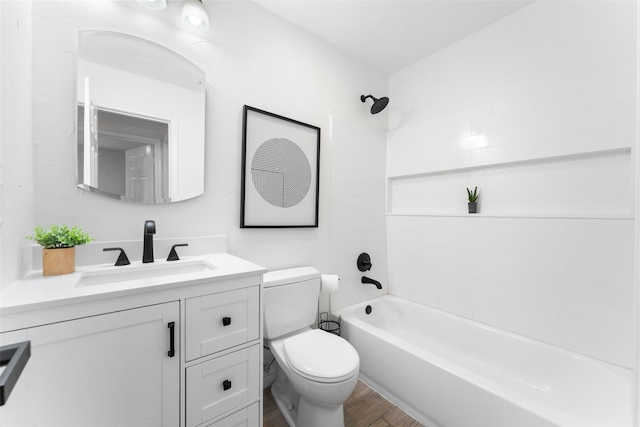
point(128, 159)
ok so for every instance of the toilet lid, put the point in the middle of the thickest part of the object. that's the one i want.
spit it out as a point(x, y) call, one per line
point(321, 356)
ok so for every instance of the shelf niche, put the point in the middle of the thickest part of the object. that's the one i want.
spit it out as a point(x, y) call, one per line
point(592, 185)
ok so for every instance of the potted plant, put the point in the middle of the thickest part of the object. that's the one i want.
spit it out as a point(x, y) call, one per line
point(58, 243)
point(473, 200)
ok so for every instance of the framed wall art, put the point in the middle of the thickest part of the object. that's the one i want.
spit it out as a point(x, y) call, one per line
point(280, 171)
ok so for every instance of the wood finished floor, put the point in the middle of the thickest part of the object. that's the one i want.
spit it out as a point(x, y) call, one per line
point(365, 408)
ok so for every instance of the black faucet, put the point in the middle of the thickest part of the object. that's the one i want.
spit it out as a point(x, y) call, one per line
point(365, 279)
point(149, 231)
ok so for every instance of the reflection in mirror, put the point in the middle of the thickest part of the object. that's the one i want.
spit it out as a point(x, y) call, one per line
point(140, 116)
point(132, 153)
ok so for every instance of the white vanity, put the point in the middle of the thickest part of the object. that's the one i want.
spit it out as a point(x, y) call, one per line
point(109, 348)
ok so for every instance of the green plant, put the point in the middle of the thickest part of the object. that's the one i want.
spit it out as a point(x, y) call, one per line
point(473, 197)
point(60, 236)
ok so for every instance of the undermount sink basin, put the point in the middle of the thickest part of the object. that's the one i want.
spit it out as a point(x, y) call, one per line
point(140, 272)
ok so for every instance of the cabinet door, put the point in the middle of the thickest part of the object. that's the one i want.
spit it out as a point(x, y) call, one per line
point(107, 370)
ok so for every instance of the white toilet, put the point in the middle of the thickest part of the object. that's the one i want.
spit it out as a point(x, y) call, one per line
point(318, 370)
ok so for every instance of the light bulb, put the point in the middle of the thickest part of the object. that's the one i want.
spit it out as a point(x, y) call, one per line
point(195, 20)
point(194, 16)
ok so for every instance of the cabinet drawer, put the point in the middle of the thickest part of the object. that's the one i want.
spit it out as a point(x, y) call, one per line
point(219, 321)
point(247, 417)
point(222, 384)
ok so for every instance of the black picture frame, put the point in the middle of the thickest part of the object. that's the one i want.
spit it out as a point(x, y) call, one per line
point(280, 177)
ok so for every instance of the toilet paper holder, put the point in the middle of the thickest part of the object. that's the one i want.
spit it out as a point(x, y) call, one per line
point(328, 325)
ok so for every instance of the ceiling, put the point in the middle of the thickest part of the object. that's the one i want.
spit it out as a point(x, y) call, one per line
point(390, 35)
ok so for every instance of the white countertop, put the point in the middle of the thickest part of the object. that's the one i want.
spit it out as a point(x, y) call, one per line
point(34, 291)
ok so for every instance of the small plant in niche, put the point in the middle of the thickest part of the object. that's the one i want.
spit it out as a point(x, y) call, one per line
point(473, 199)
point(58, 248)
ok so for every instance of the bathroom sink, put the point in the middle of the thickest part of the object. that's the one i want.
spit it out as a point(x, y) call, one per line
point(142, 272)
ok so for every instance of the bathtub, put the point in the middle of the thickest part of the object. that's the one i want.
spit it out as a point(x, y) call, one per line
point(445, 370)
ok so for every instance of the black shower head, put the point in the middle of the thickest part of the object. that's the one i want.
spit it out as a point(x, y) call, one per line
point(378, 104)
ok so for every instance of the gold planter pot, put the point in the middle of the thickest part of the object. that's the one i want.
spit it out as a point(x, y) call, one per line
point(58, 261)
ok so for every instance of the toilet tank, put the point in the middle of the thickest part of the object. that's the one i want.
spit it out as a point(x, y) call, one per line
point(290, 300)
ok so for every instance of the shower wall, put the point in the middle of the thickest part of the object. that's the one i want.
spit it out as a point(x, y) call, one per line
point(539, 111)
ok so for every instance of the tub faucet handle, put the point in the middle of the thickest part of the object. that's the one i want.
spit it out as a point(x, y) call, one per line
point(364, 262)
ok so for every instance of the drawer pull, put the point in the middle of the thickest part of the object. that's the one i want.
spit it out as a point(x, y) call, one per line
point(226, 321)
point(172, 339)
point(226, 385)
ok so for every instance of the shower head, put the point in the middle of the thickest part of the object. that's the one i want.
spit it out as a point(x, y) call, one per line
point(378, 104)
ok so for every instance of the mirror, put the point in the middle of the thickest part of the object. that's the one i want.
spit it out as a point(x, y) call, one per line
point(140, 120)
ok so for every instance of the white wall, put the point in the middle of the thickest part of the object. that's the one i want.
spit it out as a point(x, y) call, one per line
point(358, 205)
point(539, 111)
point(16, 200)
point(250, 57)
point(636, 367)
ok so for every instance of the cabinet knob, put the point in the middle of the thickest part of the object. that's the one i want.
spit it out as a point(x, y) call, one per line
point(226, 385)
point(226, 321)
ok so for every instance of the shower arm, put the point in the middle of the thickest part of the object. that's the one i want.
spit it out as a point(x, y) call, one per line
point(379, 104)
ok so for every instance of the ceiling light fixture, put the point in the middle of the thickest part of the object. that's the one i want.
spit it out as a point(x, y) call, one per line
point(194, 15)
point(154, 4)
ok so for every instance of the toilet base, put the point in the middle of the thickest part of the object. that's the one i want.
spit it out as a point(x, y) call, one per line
point(297, 412)
point(310, 415)
point(288, 410)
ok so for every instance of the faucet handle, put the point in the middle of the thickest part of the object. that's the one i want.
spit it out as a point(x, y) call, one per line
point(173, 255)
point(122, 258)
point(364, 262)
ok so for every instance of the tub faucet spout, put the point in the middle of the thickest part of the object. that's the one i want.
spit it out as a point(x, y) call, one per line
point(147, 249)
point(365, 279)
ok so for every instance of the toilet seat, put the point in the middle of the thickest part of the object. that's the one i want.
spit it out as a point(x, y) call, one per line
point(321, 356)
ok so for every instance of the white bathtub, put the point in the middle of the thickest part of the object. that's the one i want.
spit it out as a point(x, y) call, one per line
point(449, 371)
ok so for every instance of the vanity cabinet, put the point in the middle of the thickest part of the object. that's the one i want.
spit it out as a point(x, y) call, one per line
point(187, 355)
point(180, 354)
point(105, 370)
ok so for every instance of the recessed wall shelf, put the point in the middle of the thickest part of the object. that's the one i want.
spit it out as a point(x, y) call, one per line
point(584, 185)
point(583, 154)
point(479, 215)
